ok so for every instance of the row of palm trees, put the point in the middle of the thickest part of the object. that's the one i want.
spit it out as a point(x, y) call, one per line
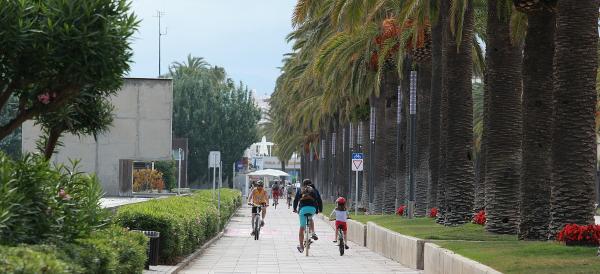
point(528, 159)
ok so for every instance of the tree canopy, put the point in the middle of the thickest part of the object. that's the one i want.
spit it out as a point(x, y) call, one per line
point(54, 50)
point(213, 113)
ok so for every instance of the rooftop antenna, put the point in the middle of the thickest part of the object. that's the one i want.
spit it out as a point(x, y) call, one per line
point(160, 14)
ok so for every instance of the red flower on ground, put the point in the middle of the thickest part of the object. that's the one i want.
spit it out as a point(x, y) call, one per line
point(580, 234)
point(400, 210)
point(433, 212)
point(480, 218)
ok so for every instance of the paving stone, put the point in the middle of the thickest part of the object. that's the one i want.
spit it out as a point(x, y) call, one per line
point(275, 251)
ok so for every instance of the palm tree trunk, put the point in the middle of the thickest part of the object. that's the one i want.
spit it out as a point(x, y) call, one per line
point(480, 162)
point(442, 194)
point(503, 147)
point(364, 129)
point(574, 145)
point(434, 113)
point(459, 171)
point(423, 120)
point(380, 151)
point(390, 87)
point(536, 172)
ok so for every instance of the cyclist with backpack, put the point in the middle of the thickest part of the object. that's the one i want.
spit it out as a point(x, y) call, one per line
point(307, 201)
point(290, 192)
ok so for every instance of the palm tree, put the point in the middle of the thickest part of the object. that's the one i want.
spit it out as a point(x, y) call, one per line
point(458, 74)
point(503, 148)
point(573, 144)
point(423, 131)
point(434, 122)
point(536, 172)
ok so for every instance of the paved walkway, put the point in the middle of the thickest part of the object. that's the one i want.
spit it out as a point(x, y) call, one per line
point(275, 251)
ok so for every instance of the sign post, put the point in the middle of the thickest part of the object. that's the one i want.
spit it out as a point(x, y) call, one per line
point(214, 162)
point(357, 165)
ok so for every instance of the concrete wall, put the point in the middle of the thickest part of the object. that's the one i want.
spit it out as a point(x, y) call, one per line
point(141, 130)
point(442, 261)
point(400, 248)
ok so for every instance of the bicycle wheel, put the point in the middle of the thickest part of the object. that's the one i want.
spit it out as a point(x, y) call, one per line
point(307, 236)
point(341, 241)
point(256, 227)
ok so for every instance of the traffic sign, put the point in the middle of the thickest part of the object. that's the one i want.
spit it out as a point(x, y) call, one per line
point(357, 165)
point(214, 159)
point(357, 156)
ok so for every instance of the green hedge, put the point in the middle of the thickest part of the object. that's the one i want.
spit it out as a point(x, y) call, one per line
point(112, 251)
point(184, 222)
point(27, 260)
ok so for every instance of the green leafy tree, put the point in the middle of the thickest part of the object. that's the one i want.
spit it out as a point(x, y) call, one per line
point(85, 115)
point(213, 113)
point(53, 50)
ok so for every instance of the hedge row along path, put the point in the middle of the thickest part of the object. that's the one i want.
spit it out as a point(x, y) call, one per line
point(275, 252)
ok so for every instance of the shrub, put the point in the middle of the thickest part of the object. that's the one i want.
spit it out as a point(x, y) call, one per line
point(400, 210)
point(169, 172)
point(111, 250)
point(573, 234)
point(147, 179)
point(26, 260)
point(480, 218)
point(40, 202)
point(433, 212)
point(184, 222)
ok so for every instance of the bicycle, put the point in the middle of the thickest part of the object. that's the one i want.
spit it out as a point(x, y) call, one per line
point(256, 221)
point(275, 200)
point(307, 233)
point(289, 200)
point(341, 242)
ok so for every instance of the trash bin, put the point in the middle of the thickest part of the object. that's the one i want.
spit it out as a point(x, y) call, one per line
point(153, 248)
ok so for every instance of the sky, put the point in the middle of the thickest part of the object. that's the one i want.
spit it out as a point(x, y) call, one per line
point(247, 38)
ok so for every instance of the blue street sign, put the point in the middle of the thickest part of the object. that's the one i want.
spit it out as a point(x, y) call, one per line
point(357, 156)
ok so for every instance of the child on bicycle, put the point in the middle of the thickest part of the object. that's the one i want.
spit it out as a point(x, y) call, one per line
point(341, 216)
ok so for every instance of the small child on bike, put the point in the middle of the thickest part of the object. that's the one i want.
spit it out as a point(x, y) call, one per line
point(341, 216)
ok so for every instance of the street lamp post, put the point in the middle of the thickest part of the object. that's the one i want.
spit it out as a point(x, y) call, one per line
point(372, 128)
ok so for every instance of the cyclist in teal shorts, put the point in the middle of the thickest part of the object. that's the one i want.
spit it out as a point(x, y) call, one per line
point(307, 201)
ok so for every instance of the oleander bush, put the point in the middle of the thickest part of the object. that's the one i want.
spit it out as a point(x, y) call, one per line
point(184, 222)
point(43, 203)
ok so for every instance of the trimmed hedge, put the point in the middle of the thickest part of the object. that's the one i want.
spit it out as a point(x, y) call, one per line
point(114, 251)
point(27, 260)
point(184, 222)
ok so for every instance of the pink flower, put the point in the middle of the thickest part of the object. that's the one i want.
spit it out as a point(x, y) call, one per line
point(44, 98)
point(64, 195)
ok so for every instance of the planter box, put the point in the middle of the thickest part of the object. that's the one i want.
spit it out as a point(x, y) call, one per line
point(400, 248)
point(438, 260)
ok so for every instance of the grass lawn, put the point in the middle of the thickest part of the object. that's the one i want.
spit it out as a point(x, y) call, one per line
point(504, 253)
point(528, 257)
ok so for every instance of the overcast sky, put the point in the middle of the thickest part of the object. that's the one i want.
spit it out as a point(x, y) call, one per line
point(247, 38)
